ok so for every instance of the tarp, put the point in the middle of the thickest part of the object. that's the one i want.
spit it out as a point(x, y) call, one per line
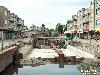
point(69, 36)
point(67, 32)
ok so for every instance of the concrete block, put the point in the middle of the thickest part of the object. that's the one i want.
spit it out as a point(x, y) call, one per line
point(97, 54)
point(61, 57)
point(70, 58)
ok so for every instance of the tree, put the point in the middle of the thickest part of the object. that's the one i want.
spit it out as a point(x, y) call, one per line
point(65, 29)
point(67, 24)
point(69, 21)
point(43, 28)
point(59, 28)
point(50, 31)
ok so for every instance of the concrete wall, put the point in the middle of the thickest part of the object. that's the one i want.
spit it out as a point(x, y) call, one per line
point(2, 22)
point(6, 57)
point(24, 51)
point(4, 17)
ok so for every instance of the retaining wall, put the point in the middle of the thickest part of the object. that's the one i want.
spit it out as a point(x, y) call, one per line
point(7, 57)
point(24, 51)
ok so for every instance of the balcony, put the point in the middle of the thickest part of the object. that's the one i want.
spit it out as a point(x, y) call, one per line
point(15, 29)
point(87, 11)
point(85, 19)
point(11, 26)
point(74, 23)
point(12, 17)
point(23, 30)
point(19, 29)
point(74, 17)
point(75, 28)
point(20, 22)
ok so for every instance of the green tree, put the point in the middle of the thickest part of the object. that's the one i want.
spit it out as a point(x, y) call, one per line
point(50, 31)
point(59, 28)
point(43, 28)
point(65, 28)
point(67, 24)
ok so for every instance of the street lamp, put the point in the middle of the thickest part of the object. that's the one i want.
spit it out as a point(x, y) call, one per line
point(2, 40)
point(94, 17)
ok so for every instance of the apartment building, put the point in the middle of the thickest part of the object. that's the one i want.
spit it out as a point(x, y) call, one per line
point(91, 25)
point(87, 20)
point(74, 20)
point(97, 15)
point(10, 23)
point(69, 26)
point(80, 15)
point(36, 28)
point(4, 20)
point(94, 23)
point(91, 19)
point(39, 30)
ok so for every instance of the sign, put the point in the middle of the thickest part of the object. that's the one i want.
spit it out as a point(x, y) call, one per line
point(85, 28)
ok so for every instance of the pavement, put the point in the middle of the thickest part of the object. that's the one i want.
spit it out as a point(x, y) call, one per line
point(92, 41)
point(80, 53)
point(92, 46)
point(10, 41)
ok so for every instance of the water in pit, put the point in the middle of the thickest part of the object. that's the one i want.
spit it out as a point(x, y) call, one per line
point(51, 69)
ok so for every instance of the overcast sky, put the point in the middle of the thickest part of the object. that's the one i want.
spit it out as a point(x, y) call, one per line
point(48, 12)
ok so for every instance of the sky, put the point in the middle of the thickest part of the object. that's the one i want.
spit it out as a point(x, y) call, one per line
point(48, 12)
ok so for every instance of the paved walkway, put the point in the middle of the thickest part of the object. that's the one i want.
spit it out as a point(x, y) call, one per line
point(90, 47)
point(10, 41)
point(88, 41)
point(80, 53)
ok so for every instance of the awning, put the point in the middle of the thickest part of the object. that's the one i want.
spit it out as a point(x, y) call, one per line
point(97, 30)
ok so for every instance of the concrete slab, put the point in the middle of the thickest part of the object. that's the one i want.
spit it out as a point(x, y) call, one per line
point(50, 53)
point(80, 53)
point(43, 53)
point(68, 52)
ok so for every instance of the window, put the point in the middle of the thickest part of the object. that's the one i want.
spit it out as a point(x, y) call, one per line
point(98, 4)
point(6, 13)
point(98, 22)
point(5, 21)
point(14, 23)
point(80, 26)
point(98, 11)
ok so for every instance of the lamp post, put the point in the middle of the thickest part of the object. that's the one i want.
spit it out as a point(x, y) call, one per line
point(94, 17)
point(2, 40)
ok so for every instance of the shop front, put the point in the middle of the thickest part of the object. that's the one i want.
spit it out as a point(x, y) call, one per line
point(86, 31)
